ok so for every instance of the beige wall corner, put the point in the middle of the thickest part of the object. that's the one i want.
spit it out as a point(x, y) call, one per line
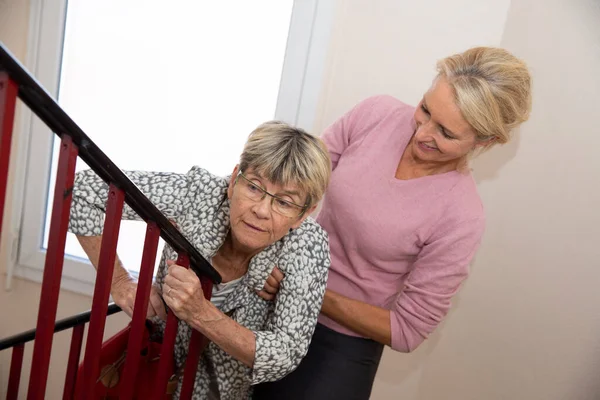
point(14, 25)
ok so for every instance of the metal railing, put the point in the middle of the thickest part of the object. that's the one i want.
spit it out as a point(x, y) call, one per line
point(16, 82)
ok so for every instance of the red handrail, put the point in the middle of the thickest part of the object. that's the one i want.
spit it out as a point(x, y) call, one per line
point(15, 82)
point(8, 99)
point(197, 343)
point(106, 264)
point(14, 378)
point(139, 314)
point(165, 366)
point(53, 269)
point(74, 353)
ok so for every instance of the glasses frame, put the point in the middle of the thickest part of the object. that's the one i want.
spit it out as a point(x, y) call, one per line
point(273, 197)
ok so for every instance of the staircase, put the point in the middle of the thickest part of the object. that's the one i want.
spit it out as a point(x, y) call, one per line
point(17, 83)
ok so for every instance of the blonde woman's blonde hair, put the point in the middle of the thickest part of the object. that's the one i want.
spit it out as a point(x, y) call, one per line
point(286, 155)
point(492, 89)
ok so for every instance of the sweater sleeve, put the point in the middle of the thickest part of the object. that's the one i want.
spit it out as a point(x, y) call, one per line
point(337, 136)
point(354, 126)
point(437, 274)
point(166, 191)
point(284, 342)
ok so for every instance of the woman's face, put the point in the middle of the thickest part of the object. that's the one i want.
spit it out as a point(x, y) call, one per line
point(442, 135)
point(254, 225)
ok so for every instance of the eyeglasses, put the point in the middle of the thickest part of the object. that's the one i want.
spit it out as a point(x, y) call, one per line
point(252, 191)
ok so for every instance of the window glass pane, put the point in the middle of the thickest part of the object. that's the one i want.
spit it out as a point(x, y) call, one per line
point(165, 86)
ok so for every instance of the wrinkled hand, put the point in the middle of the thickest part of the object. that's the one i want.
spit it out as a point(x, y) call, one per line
point(123, 292)
point(182, 291)
point(272, 285)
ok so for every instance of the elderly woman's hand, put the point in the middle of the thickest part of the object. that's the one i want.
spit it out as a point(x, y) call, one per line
point(124, 290)
point(182, 292)
point(271, 285)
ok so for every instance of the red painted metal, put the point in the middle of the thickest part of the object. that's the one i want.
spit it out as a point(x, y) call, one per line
point(21, 84)
point(142, 297)
point(52, 269)
point(8, 99)
point(15, 372)
point(165, 368)
point(198, 343)
point(106, 266)
point(74, 353)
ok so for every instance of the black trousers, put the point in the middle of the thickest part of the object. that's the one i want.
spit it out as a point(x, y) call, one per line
point(337, 366)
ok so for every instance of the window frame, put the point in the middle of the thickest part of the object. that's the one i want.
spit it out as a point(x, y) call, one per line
point(301, 81)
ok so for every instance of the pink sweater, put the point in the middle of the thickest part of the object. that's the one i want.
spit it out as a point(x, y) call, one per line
point(401, 245)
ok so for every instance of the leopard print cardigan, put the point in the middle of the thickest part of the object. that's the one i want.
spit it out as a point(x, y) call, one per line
point(197, 202)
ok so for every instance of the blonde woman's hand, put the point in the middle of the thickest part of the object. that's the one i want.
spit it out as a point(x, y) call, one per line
point(271, 285)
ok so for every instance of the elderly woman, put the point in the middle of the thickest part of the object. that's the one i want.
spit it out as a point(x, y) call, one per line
point(245, 225)
point(404, 218)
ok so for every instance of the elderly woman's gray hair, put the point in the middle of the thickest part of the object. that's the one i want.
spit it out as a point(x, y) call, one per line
point(286, 155)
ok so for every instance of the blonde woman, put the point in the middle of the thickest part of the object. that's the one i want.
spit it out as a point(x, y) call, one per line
point(404, 218)
point(244, 224)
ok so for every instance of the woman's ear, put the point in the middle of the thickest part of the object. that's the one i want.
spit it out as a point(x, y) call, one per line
point(300, 220)
point(485, 142)
point(234, 175)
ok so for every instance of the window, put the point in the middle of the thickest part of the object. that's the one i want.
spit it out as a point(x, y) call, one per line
point(164, 88)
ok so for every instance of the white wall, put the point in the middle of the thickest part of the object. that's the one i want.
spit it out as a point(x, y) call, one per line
point(526, 324)
point(391, 46)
